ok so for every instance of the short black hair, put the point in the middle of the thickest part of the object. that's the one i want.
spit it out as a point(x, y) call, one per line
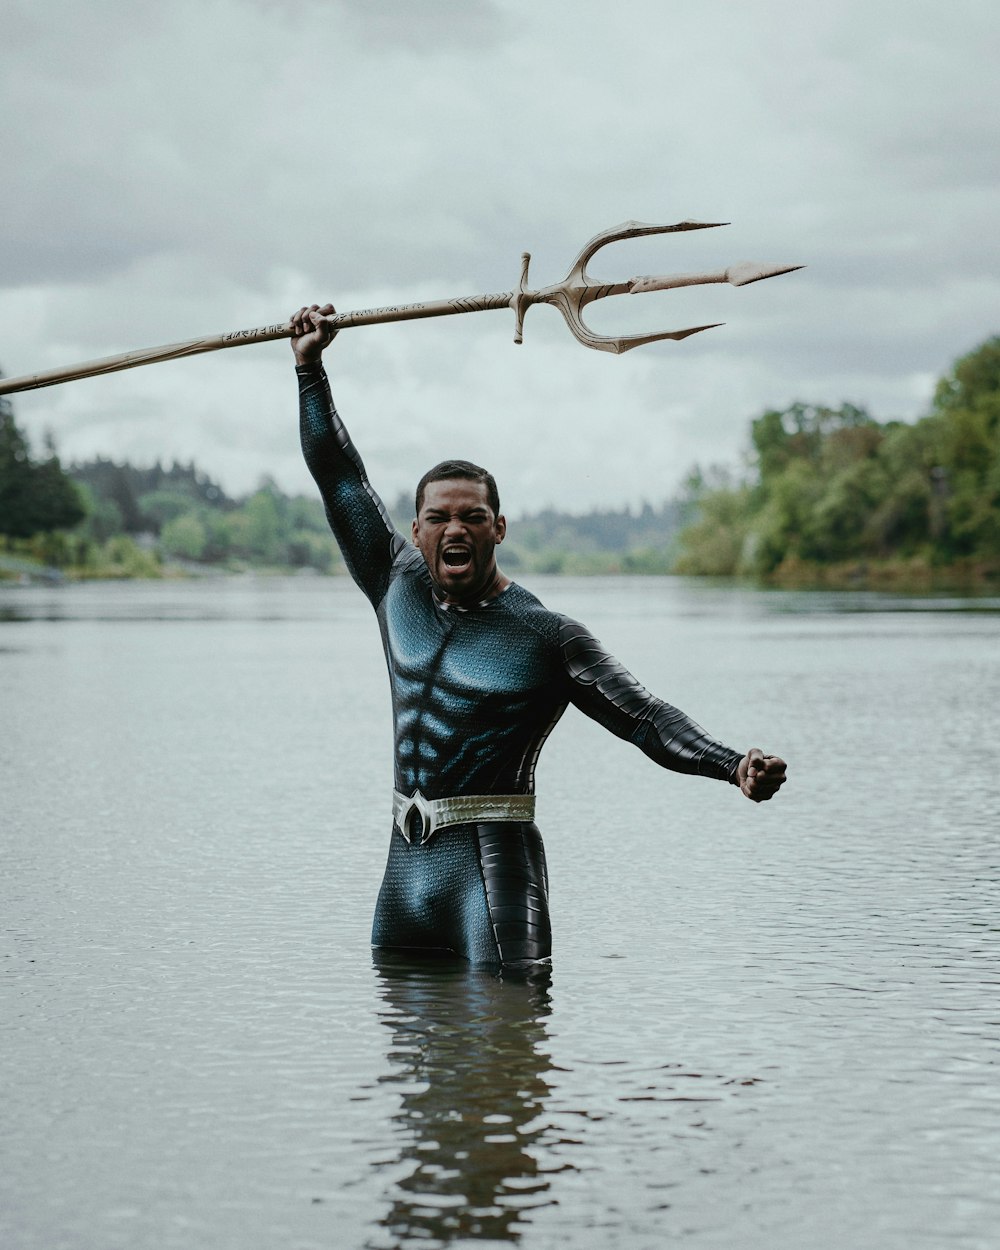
point(448, 470)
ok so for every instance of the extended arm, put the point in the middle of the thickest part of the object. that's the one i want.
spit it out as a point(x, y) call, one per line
point(607, 692)
point(357, 516)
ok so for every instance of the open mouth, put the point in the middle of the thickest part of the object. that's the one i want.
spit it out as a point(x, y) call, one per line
point(456, 557)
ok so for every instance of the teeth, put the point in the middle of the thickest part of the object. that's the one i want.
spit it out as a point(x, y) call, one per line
point(456, 555)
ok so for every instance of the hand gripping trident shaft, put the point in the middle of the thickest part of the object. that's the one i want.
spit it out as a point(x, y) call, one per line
point(571, 296)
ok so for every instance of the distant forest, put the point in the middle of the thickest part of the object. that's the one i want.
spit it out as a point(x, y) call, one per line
point(124, 520)
point(829, 495)
point(186, 516)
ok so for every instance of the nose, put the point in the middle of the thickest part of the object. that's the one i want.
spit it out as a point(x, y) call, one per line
point(455, 528)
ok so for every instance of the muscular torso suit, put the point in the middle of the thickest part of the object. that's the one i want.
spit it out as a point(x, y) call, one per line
point(475, 693)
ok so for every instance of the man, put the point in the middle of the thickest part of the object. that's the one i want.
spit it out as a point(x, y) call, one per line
point(480, 672)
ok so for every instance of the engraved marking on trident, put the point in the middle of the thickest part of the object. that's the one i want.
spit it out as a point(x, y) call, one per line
point(571, 296)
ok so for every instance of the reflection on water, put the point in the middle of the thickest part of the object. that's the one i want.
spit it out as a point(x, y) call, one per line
point(468, 1058)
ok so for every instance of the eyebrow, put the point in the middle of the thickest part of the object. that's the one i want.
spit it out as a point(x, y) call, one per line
point(438, 514)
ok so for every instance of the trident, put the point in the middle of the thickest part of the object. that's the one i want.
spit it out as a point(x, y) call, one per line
point(571, 296)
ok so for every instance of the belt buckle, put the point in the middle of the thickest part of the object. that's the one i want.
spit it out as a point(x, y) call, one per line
point(416, 803)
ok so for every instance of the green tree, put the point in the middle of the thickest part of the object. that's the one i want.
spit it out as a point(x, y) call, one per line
point(714, 544)
point(308, 549)
point(35, 497)
point(801, 432)
point(184, 537)
point(160, 506)
point(966, 428)
point(103, 516)
point(265, 525)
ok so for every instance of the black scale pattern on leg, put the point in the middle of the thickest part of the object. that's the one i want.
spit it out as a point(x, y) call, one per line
point(517, 889)
point(479, 890)
point(432, 897)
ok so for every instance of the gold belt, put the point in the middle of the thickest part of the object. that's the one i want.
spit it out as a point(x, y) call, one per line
point(462, 809)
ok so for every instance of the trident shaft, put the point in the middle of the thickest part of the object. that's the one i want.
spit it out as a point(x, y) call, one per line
point(571, 296)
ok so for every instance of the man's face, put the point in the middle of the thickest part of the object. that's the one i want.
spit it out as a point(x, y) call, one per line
point(456, 533)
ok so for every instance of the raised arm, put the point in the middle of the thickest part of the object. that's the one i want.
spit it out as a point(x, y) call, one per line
point(357, 516)
point(606, 691)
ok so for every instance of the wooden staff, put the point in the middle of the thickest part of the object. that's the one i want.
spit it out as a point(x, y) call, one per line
point(570, 296)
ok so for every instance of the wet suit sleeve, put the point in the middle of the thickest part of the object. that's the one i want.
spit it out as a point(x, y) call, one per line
point(607, 692)
point(357, 516)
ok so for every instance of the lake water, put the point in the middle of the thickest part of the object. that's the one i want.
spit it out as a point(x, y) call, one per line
point(770, 1026)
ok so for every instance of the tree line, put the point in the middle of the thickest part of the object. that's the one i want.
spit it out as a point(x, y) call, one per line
point(828, 494)
point(182, 515)
point(103, 518)
point(833, 494)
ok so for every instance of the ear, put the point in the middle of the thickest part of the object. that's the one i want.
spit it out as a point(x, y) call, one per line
point(501, 527)
point(413, 533)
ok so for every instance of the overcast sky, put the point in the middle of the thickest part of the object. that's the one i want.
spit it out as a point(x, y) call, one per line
point(188, 168)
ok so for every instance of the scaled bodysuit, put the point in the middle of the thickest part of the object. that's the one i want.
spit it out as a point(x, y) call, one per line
point(475, 693)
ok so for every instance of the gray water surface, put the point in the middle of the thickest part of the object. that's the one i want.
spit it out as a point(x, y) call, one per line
point(770, 1026)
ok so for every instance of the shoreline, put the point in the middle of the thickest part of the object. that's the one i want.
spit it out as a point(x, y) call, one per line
point(970, 578)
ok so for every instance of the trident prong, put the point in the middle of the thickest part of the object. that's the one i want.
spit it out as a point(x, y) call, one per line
point(570, 296)
point(578, 288)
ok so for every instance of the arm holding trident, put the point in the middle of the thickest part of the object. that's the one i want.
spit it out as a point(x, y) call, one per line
point(480, 673)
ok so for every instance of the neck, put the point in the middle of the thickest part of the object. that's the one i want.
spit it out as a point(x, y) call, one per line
point(495, 584)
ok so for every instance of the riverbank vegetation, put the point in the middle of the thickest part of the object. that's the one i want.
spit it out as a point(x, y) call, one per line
point(829, 496)
point(835, 497)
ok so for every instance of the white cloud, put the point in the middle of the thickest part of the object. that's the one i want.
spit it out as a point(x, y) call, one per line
point(193, 168)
